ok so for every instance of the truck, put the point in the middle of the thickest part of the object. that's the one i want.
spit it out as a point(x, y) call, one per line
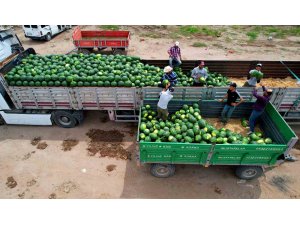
point(65, 106)
point(249, 160)
point(43, 32)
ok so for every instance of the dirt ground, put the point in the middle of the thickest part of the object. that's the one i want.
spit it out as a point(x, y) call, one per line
point(55, 163)
point(152, 42)
point(28, 172)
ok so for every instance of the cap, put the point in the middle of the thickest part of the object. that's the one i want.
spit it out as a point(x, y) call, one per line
point(177, 43)
point(168, 69)
point(233, 84)
point(259, 64)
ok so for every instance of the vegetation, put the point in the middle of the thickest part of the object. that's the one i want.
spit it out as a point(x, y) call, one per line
point(199, 44)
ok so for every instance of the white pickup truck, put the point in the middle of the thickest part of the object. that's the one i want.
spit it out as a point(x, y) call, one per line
point(43, 32)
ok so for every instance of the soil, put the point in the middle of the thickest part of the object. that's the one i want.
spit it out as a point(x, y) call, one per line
point(36, 140)
point(152, 42)
point(107, 144)
point(42, 145)
point(31, 183)
point(111, 167)
point(11, 183)
point(52, 196)
point(68, 144)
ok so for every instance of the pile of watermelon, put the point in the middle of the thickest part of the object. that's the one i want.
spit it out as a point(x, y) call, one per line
point(94, 70)
point(187, 126)
point(84, 70)
point(217, 80)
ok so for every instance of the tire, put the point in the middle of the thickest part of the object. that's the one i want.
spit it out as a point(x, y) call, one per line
point(162, 170)
point(117, 51)
point(84, 51)
point(64, 119)
point(79, 116)
point(2, 122)
point(100, 49)
point(248, 172)
point(48, 37)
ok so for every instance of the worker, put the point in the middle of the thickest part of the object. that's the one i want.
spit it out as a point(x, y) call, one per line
point(169, 75)
point(252, 80)
point(175, 55)
point(259, 106)
point(165, 97)
point(232, 95)
point(199, 72)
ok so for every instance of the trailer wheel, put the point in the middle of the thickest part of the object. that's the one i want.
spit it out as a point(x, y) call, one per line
point(117, 51)
point(162, 170)
point(64, 119)
point(84, 51)
point(48, 37)
point(248, 172)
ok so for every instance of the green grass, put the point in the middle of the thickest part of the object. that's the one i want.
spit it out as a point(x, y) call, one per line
point(252, 35)
point(199, 44)
point(202, 30)
point(110, 27)
point(151, 35)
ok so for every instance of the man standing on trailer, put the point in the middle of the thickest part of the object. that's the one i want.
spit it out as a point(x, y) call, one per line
point(259, 106)
point(232, 95)
point(175, 55)
point(199, 72)
point(165, 97)
point(252, 79)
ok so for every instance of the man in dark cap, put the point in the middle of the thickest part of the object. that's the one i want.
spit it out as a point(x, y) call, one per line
point(232, 95)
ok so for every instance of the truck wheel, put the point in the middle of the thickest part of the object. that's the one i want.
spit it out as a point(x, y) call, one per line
point(248, 172)
point(48, 37)
point(162, 170)
point(2, 122)
point(64, 119)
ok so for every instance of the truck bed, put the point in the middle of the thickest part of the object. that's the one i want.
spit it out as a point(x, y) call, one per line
point(101, 39)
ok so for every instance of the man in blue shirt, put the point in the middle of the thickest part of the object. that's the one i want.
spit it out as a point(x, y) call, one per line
point(169, 75)
point(199, 72)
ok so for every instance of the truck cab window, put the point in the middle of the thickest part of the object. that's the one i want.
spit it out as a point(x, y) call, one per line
point(34, 26)
point(27, 26)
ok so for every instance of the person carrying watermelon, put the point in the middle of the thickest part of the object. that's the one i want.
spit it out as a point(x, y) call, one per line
point(169, 75)
point(165, 97)
point(254, 76)
point(175, 55)
point(259, 106)
point(198, 73)
point(232, 95)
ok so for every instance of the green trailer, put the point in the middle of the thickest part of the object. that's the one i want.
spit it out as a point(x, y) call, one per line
point(249, 159)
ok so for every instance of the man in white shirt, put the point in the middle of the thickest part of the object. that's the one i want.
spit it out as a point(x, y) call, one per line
point(165, 97)
point(199, 72)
